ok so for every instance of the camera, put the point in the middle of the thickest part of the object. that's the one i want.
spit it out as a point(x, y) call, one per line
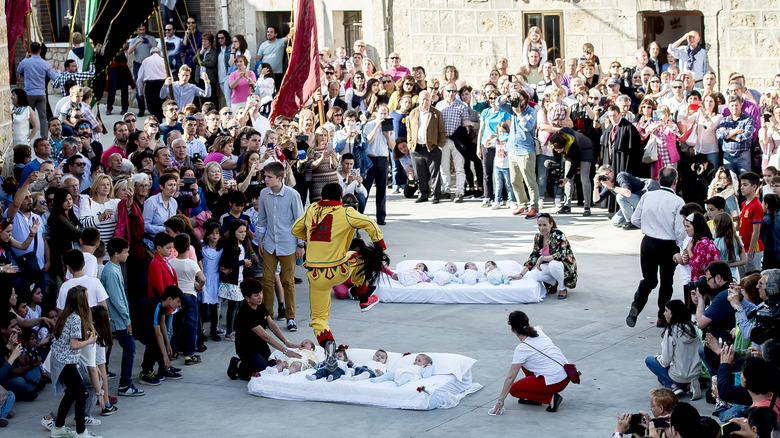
point(515, 103)
point(701, 285)
point(767, 316)
point(603, 178)
point(554, 173)
point(196, 156)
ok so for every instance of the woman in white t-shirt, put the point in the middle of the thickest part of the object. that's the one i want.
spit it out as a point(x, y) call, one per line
point(25, 122)
point(542, 363)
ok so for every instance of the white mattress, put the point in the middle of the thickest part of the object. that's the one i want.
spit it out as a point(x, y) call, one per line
point(449, 384)
point(527, 290)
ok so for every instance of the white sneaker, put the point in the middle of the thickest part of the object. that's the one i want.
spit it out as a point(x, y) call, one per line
point(92, 421)
point(513, 206)
point(63, 431)
point(695, 390)
point(557, 202)
point(87, 434)
point(496, 206)
point(48, 424)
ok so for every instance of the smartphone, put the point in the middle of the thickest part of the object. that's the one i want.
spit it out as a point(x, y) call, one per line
point(767, 117)
point(694, 106)
point(354, 127)
point(188, 181)
point(656, 115)
point(660, 422)
point(729, 427)
point(354, 172)
point(302, 138)
point(738, 379)
point(387, 125)
point(41, 176)
point(510, 78)
point(202, 70)
point(329, 147)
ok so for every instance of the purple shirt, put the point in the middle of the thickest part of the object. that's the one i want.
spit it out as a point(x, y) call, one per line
point(750, 109)
point(35, 69)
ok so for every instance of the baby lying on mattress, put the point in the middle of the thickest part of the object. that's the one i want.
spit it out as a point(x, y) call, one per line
point(422, 367)
point(470, 275)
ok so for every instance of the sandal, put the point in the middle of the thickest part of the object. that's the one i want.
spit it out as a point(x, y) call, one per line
point(564, 295)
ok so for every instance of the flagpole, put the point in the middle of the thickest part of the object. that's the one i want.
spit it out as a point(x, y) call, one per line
point(72, 24)
point(164, 49)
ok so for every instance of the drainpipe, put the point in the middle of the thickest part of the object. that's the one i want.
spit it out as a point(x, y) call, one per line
point(224, 14)
point(385, 27)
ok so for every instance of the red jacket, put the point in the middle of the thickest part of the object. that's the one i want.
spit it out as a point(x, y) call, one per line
point(161, 275)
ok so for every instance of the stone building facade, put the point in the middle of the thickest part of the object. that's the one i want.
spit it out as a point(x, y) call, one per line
point(740, 35)
point(5, 96)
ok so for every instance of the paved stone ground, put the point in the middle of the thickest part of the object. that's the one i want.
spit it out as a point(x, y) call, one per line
point(589, 327)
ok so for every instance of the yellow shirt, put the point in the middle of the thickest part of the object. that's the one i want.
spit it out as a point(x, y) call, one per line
point(328, 228)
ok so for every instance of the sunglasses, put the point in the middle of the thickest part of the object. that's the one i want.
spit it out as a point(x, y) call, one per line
point(130, 120)
point(190, 22)
point(227, 113)
point(449, 90)
point(329, 73)
point(169, 30)
point(173, 110)
point(654, 82)
point(387, 82)
point(676, 86)
point(80, 164)
point(154, 125)
point(234, 127)
point(338, 114)
point(394, 57)
point(190, 118)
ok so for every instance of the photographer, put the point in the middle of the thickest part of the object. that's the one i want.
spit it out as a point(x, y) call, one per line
point(351, 181)
point(718, 318)
point(767, 289)
point(626, 188)
point(577, 151)
point(662, 401)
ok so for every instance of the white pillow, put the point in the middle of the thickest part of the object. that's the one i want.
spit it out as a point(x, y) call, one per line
point(443, 363)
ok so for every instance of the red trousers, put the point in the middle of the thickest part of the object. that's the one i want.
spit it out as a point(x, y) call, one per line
point(535, 388)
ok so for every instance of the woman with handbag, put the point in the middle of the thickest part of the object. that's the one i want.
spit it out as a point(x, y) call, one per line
point(664, 132)
point(547, 372)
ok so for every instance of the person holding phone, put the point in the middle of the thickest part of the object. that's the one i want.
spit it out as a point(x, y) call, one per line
point(769, 138)
point(665, 133)
point(323, 162)
point(380, 143)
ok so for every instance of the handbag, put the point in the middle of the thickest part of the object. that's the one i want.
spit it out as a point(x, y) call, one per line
point(691, 136)
point(28, 262)
point(571, 370)
point(651, 151)
point(537, 146)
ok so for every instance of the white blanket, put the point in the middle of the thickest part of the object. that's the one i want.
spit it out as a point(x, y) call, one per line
point(527, 290)
point(449, 384)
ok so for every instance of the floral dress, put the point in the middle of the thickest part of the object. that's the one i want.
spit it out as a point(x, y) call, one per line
point(561, 251)
point(703, 252)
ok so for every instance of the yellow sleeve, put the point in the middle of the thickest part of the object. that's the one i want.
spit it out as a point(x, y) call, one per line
point(357, 220)
point(299, 227)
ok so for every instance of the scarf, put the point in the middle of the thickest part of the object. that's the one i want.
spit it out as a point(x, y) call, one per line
point(691, 56)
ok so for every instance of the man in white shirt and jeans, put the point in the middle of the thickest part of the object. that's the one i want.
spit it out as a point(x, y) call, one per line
point(352, 182)
point(658, 215)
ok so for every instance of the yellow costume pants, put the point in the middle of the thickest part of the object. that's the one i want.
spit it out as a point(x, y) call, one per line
point(322, 280)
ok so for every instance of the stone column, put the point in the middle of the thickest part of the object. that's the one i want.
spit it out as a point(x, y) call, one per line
point(5, 97)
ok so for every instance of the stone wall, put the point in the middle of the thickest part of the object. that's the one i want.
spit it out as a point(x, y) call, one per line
point(5, 96)
point(473, 34)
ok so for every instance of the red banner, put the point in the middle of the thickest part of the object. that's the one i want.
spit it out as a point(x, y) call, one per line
point(303, 72)
point(16, 20)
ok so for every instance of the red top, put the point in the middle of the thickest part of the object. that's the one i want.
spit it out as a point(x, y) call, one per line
point(161, 275)
point(752, 213)
point(114, 149)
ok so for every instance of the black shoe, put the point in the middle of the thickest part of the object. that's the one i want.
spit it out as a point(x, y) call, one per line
point(378, 222)
point(200, 348)
point(215, 337)
point(330, 360)
point(523, 401)
point(435, 201)
point(421, 199)
point(564, 210)
point(631, 318)
point(298, 280)
point(281, 313)
point(586, 213)
point(556, 403)
point(232, 370)
point(630, 226)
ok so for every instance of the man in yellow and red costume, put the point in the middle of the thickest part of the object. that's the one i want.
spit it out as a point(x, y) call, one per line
point(328, 227)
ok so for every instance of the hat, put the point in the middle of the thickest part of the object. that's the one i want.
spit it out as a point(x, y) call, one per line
point(155, 50)
point(613, 81)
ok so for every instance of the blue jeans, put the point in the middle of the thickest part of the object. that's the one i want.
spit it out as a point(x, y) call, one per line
point(128, 357)
point(661, 372)
point(627, 206)
point(361, 370)
point(501, 180)
point(541, 174)
point(399, 174)
point(361, 202)
point(739, 163)
point(323, 372)
point(8, 405)
point(733, 412)
point(378, 172)
point(189, 328)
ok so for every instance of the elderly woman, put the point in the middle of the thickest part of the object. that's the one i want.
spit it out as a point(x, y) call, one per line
point(552, 256)
point(162, 206)
point(542, 363)
point(100, 209)
point(141, 183)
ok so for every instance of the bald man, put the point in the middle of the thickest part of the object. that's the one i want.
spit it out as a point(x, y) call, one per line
point(692, 57)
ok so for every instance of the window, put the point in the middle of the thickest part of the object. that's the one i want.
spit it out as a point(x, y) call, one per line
point(552, 31)
point(353, 28)
point(280, 20)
